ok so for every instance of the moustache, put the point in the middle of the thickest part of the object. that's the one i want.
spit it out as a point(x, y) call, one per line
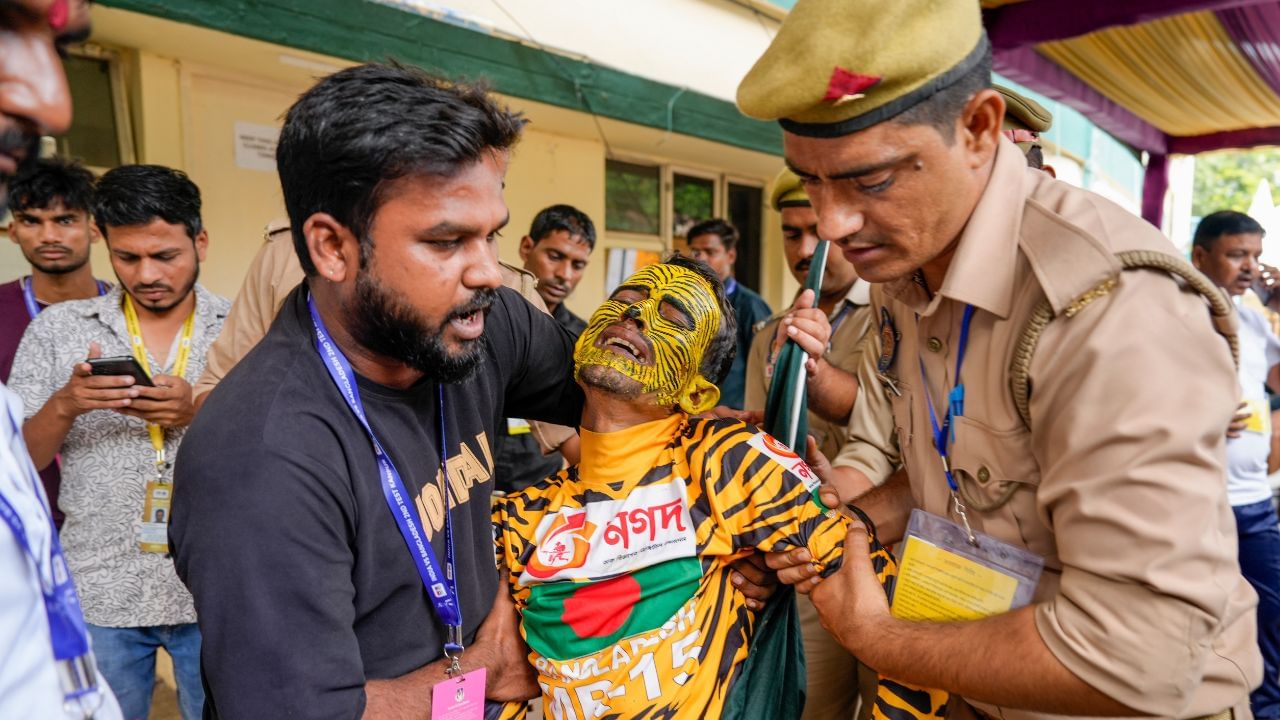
point(481, 301)
point(803, 265)
point(148, 288)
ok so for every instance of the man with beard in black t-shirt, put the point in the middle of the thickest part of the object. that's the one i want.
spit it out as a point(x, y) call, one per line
point(298, 540)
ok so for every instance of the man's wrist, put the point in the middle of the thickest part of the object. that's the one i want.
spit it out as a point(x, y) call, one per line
point(65, 407)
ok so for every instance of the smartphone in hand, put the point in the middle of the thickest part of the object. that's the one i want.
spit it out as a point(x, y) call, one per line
point(121, 365)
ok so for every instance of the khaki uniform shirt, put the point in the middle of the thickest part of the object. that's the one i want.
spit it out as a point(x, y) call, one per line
point(1122, 473)
point(273, 273)
point(853, 315)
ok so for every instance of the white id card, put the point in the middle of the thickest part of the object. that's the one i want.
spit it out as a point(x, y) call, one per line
point(943, 577)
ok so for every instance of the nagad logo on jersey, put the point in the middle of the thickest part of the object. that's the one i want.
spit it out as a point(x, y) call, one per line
point(564, 546)
point(605, 537)
point(785, 457)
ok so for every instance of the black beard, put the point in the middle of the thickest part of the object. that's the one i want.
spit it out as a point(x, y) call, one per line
point(191, 285)
point(390, 328)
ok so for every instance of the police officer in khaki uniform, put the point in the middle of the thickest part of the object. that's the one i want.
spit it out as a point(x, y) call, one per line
point(843, 301)
point(1105, 458)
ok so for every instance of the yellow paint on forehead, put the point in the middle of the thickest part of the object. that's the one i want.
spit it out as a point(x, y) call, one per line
point(678, 351)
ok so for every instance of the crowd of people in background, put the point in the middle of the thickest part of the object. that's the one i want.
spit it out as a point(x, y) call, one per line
point(291, 494)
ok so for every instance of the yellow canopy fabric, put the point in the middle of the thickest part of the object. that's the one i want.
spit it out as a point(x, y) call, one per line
point(1182, 74)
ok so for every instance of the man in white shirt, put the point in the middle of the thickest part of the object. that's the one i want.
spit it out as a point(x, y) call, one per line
point(1226, 248)
point(34, 101)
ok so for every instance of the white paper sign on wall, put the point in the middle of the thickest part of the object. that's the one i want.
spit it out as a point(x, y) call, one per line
point(256, 146)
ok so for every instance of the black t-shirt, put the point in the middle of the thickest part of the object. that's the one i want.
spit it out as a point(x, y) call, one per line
point(304, 587)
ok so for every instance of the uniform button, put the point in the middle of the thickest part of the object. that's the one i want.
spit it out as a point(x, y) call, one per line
point(935, 345)
point(984, 474)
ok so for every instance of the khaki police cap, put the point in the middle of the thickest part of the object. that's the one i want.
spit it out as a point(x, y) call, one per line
point(788, 191)
point(840, 66)
point(1023, 113)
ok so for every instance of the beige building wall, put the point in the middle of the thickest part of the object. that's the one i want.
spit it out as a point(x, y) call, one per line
point(188, 87)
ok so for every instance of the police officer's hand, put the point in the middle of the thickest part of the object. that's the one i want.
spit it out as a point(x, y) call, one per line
point(168, 404)
point(808, 326)
point(752, 576)
point(851, 603)
point(1239, 421)
point(85, 391)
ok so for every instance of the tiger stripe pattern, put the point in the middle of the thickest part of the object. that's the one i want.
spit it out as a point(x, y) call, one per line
point(624, 586)
point(680, 316)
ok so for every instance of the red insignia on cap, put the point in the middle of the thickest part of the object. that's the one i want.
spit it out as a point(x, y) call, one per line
point(845, 85)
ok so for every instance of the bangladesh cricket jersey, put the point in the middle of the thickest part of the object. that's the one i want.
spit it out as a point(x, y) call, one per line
point(620, 565)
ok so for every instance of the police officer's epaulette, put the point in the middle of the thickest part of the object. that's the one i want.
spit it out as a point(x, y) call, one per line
point(1073, 273)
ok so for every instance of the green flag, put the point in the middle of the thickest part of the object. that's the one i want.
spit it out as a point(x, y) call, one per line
point(786, 412)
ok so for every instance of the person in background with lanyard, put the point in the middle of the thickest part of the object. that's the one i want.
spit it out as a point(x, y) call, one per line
point(50, 203)
point(1069, 548)
point(118, 434)
point(48, 669)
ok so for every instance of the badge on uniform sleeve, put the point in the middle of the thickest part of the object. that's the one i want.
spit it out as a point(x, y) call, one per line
point(889, 337)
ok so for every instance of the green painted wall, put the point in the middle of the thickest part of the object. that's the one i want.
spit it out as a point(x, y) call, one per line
point(363, 31)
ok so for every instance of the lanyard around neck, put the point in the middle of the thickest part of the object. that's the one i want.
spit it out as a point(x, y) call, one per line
point(140, 354)
point(944, 432)
point(442, 588)
point(67, 630)
point(33, 305)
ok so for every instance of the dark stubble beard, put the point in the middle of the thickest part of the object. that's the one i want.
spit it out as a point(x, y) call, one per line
point(387, 326)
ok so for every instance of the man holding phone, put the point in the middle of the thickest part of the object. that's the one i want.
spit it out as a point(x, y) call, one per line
point(118, 433)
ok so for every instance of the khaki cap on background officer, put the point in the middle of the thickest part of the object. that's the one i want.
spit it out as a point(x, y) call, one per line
point(1024, 121)
point(1116, 479)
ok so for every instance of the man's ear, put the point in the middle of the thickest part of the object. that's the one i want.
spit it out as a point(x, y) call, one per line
point(335, 251)
point(1197, 257)
point(526, 247)
point(980, 124)
point(699, 396)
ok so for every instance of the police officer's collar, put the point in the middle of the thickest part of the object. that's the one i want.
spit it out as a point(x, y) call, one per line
point(986, 259)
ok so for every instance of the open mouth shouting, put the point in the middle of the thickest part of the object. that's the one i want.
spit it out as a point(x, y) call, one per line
point(622, 340)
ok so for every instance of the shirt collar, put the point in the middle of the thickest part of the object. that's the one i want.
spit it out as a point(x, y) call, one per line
point(986, 258)
point(107, 308)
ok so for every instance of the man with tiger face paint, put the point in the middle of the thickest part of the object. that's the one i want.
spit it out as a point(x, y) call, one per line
point(651, 336)
point(620, 565)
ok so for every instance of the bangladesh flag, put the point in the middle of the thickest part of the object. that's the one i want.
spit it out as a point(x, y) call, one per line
point(567, 619)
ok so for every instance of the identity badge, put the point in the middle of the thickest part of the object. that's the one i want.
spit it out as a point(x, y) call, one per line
point(1259, 417)
point(154, 536)
point(459, 698)
point(945, 577)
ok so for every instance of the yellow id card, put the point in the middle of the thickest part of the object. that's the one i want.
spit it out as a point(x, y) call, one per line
point(939, 585)
point(154, 536)
point(943, 577)
point(1259, 417)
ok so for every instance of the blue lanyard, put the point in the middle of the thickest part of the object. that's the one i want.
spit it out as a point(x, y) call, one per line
point(67, 631)
point(441, 589)
point(944, 433)
point(730, 286)
point(29, 295)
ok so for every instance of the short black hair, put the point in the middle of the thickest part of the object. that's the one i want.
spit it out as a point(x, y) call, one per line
point(133, 195)
point(941, 109)
point(724, 344)
point(727, 233)
point(51, 181)
point(563, 217)
point(1224, 222)
point(362, 128)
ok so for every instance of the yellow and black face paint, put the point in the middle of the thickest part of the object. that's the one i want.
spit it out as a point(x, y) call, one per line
point(676, 311)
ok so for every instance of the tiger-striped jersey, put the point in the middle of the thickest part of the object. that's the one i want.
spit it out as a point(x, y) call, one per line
point(620, 566)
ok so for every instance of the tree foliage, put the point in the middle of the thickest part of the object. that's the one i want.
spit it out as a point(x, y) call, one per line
point(1228, 180)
